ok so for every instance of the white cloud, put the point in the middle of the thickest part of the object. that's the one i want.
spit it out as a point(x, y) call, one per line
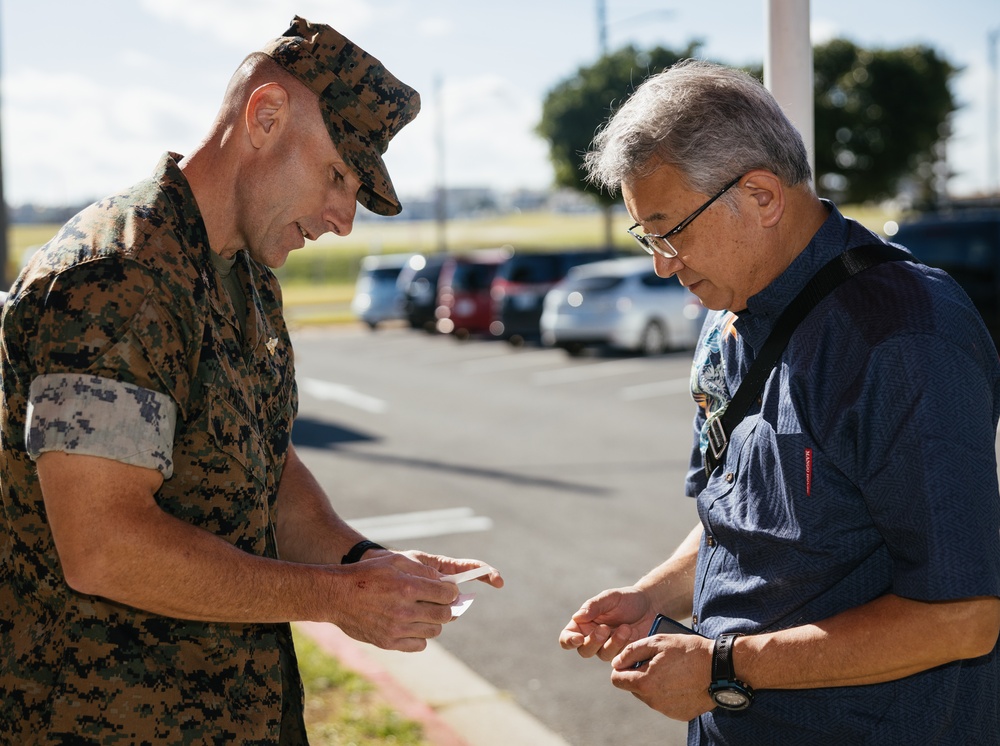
point(435, 27)
point(822, 30)
point(80, 138)
point(237, 21)
point(488, 126)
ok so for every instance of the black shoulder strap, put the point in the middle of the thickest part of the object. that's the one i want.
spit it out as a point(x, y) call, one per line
point(848, 264)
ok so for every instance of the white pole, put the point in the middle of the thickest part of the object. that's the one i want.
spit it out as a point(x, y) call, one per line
point(788, 66)
point(992, 131)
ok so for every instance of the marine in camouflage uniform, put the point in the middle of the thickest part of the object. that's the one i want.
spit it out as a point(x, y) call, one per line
point(123, 339)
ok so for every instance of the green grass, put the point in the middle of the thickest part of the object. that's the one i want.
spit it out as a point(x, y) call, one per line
point(342, 707)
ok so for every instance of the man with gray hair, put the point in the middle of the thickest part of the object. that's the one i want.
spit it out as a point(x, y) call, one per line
point(843, 579)
point(159, 528)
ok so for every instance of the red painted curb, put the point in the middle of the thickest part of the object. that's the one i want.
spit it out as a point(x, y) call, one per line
point(350, 653)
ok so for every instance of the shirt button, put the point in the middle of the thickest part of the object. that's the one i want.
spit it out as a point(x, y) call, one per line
point(710, 540)
point(730, 477)
point(694, 620)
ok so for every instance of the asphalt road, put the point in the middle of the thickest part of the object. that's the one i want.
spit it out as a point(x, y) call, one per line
point(566, 474)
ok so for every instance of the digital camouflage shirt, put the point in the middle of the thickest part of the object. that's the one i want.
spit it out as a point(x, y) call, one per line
point(120, 341)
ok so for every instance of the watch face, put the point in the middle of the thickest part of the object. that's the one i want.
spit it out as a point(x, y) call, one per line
point(732, 699)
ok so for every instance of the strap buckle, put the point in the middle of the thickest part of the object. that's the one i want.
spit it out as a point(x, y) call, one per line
point(718, 440)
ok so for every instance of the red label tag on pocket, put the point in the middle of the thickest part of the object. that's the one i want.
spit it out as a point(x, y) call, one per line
point(809, 470)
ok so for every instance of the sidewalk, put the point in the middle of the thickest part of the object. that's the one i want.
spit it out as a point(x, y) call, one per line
point(455, 706)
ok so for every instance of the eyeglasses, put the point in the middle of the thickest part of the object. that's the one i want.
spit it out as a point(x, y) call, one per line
point(660, 244)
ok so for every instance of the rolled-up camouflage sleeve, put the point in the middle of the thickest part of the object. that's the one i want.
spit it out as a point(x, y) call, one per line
point(97, 416)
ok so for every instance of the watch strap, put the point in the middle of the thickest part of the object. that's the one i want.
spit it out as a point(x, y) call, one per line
point(357, 551)
point(726, 690)
point(722, 657)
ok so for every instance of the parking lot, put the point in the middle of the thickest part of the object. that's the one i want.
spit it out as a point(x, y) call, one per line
point(564, 472)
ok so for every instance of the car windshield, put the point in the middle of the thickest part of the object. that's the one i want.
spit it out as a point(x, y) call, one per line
point(546, 269)
point(531, 269)
point(595, 283)
point(384, 274)
point(653, 280)
point(472, 277)
point(951, 244)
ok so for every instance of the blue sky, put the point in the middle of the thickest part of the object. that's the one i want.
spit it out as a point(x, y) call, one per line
point(94, 91)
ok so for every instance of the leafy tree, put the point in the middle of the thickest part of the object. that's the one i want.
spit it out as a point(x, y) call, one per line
point(575, 109)
point(882, 120)
point(882, 117)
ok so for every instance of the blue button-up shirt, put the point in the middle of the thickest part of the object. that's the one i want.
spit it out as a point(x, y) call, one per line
point(868, 467)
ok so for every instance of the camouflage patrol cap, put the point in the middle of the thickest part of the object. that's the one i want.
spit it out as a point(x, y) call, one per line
point(364, 105)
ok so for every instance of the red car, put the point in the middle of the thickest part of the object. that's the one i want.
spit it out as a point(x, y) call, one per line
point(464, 304)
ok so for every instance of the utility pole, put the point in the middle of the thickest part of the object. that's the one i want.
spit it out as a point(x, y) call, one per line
point(440, 206)
point(602, 27)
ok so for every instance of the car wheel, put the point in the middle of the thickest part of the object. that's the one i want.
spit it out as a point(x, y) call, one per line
point(573, 349)
point(654, 339)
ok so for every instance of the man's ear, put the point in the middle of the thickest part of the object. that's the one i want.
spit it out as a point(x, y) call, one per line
point(266, 110)
point(768, 193)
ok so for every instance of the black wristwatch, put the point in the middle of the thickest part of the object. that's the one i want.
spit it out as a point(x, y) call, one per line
point(726, 690)
point(354, 554)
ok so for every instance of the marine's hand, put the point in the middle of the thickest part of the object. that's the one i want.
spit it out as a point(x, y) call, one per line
point(449, 566)
point(674, 681)
point(608, 622)
point(391, 601)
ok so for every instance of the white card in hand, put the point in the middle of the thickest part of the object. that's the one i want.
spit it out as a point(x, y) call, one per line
point(463, 602)
point(461, 577)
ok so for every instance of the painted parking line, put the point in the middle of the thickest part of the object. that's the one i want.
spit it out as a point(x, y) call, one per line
point(449, 351)
point(338, 392)
point(513, 361)
point(657, 388)
point(420, 525)
point(589, 372)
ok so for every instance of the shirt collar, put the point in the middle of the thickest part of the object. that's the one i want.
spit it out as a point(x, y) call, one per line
point(174, 184)
point(836, 235)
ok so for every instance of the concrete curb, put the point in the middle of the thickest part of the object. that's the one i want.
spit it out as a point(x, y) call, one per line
point(456, 706)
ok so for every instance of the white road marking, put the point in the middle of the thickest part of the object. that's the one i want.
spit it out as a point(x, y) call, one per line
point(513, 361)
point(589, 372)
point(338, 392)
point(420, 525)
point(657, 388)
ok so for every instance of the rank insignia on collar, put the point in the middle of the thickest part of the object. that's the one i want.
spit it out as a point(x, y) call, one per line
point(271, 345)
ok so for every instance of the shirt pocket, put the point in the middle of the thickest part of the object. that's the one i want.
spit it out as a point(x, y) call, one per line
point(235, 434)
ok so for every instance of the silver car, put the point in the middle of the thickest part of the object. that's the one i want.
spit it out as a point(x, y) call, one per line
point(622, 304)
point(376, 295)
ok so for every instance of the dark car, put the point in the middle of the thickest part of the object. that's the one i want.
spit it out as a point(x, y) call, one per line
point(465, 306)
point(418, 282)
point(520, 287)
point(965, 243)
